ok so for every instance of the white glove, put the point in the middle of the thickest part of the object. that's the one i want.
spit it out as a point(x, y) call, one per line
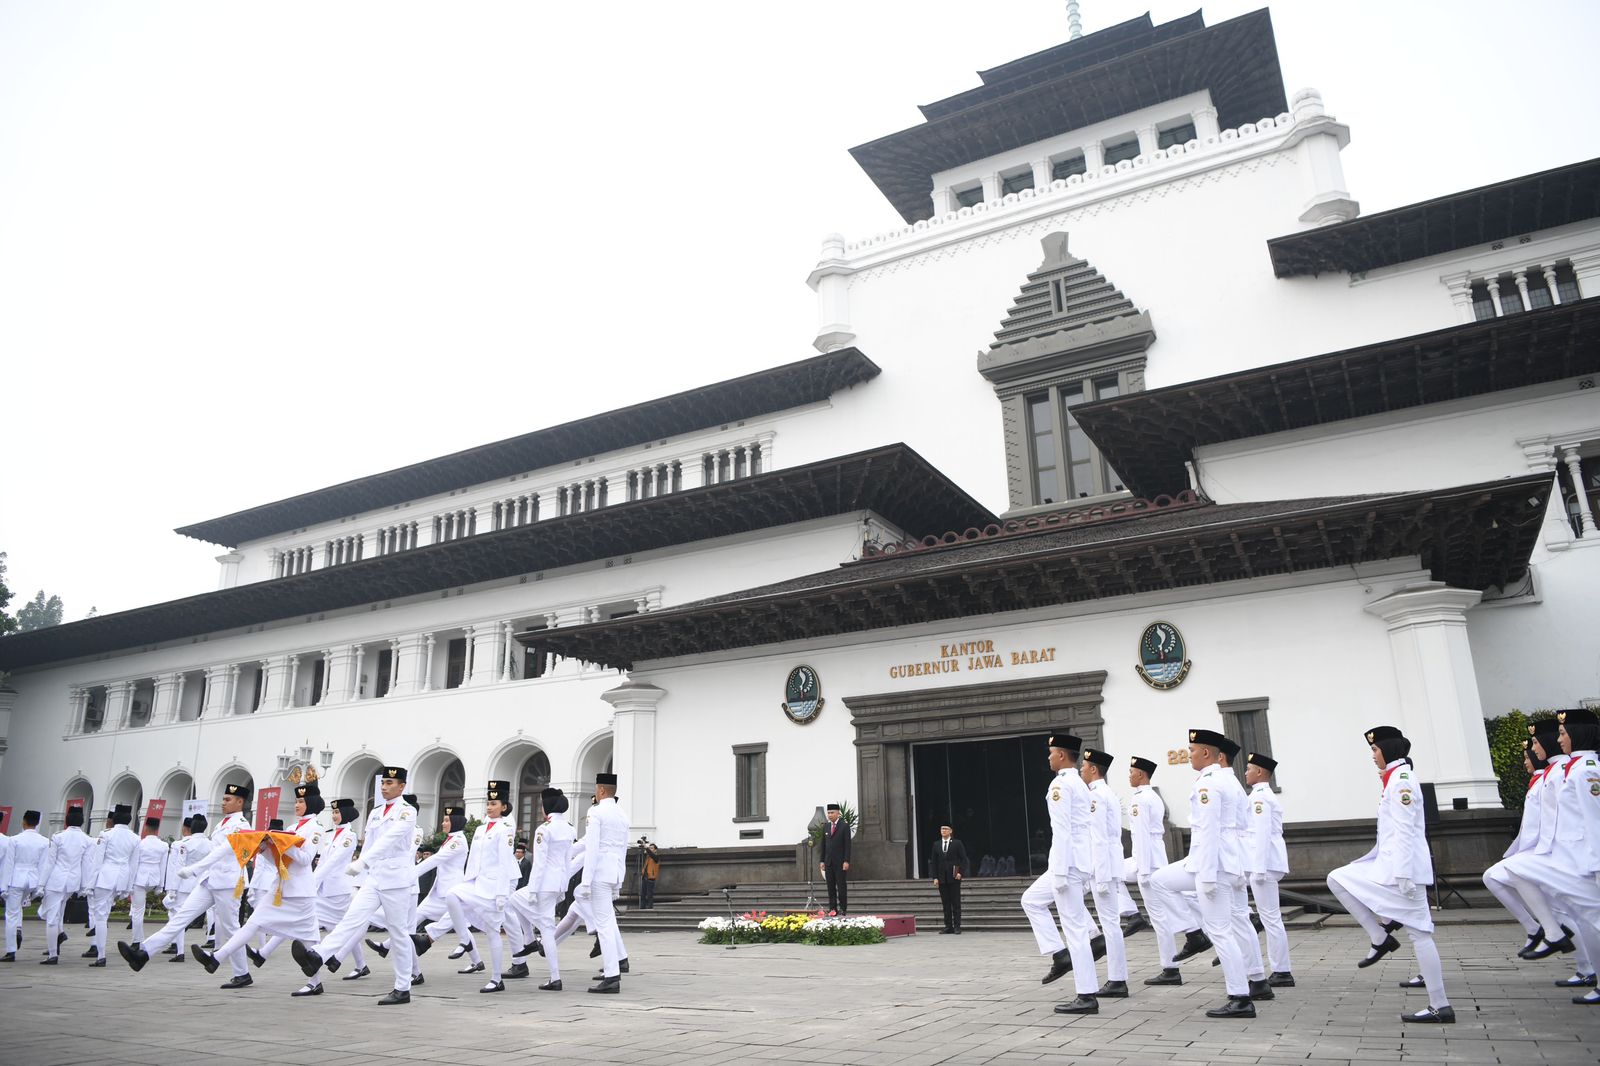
point(354, 869)
point(500, 903)
point(168, 900)
point(1207, 887)
point(1102, 888)
point(1408, 888)
point(187, 873)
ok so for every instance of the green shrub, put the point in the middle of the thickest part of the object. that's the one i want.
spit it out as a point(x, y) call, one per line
point(1506, 735)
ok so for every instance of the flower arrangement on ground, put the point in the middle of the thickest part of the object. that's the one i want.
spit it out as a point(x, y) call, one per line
point(796, 927)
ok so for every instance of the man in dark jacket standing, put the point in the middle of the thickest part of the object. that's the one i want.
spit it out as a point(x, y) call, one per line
point(836, 860)
point(949, 865)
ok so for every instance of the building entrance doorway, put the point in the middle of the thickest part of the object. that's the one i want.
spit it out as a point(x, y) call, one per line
point(991, 792)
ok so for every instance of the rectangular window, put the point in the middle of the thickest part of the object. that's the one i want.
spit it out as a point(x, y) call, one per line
point(1067, 165)
point(1538, 290)
point(1120, 150)
point(1567, 283)
point(749, 782)
point(1482, 302)
point(1510, 299)
point(1245, 723)
point(1176, 135)
point(455, 670)
point(1016, 181)
point(535, 660)
point(1042, 431)
point(380, 686)
point(1080, 453)
point(318, 669)
point(972, 194)
point(1104, 389)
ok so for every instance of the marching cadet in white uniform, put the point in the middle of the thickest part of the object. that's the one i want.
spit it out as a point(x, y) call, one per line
point(289, 907)
point(604, 868)
point(62, 877)
point(330, 888)
point(1392, 878)
point(1266, 861)
point(548, 877)
point(150, 870)
point(480, 899)
point(447, 865)
point(1495, 878)
point(1147, 832)
point(1243, 931)
point(1214, 868)
point(5, 889)
point(387, 855)
point(1105, 834)
point(217, 879)
point(114, 861)
point(1570, 874)
point(1062, 883)
point(30, 852)
point(189, 848)
point(1546, 746)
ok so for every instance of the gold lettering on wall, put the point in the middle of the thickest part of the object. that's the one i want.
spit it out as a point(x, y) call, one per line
point(973, 656)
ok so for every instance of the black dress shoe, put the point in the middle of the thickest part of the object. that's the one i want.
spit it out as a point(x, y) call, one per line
point(1081, 1005)
point(1414, 982)
point(1441, 1016)
point(307, 990)
point(538, 947)
point(1060, 966)
point(179, 958)
point(9, 956)
point(257, 959)
point(1255, 922)
point(1236, 1007)
point(1591, 1000)
point(1098, 947)
point(494, 986)
point(242, 981)
point(308, 961)
point(170, 949)
point(1577, 980)
point(461, 949)
point(97, 962)
point(1379, 951)
point(1216, 960)
point(1193, 944)
point(332, 965)
point(623, 965)
point(1391, 927)
point(1170, 976)
point(957, 931)
point(136, 957)
point(383, 952)
point(422, 944)
point(594, 952)
point(1113, 990)
point(61, 938)
point(946, 932)
point(474, 967)
point(1535, 938)
point(417, 979)
point(524, 951)
point(550, 986)
point(54, 962)
point(394, 997)
point(1281, 979)
point(1137, 924)
point(518, 970)
point(1260, 990)
point(88, 954)
point(1550, 947)
point(204, 958)
point(608, 985)
point(356, 975)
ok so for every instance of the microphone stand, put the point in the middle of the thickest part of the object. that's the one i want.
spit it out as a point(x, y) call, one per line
point(726, 895)
point(811, 873)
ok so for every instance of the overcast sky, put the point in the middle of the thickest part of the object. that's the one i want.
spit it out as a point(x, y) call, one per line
point(251, 249)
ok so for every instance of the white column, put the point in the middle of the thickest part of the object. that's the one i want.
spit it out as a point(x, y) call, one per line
point(485, 654)
point(1549, 275)
point(944, 201)
point(275, 693)
point(1094, 157)
point(216, 699)
point(394, 664)
point(466, 669)
point(1205, 123)
point(507, 643)
point(411, 656)
point(1438, 689)
point(1041, 173)
point(1148, 139)
point(230, 569)
point(169, 687)
point(79, 701)
point(1569, 456)
point(119, 703)
point(291, 692)
point(427, 666)
point(1521, 278)
point(231, 703)
point(338, 675)
point(1494, 294)
point(1586, 268)
point(633, 749)
point(991, 186)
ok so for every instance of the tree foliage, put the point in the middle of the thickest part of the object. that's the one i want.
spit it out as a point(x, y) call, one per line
point(1506, 735)
point(39, 613)
point(7, 623)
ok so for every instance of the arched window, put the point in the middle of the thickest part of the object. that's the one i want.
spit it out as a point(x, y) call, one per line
point(452, 786)
point(535, 779)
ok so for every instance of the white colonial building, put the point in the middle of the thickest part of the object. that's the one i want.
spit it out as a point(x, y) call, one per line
point(1134, 378)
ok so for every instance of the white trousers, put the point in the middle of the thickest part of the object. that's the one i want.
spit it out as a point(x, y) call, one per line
point(100, 901)
point(50, 908)
point(14, 904)
point(1498, 881)
point(1558, 895)
point(1107, 908)
point(1353, 886)
point(368, 902)
point(1264, 887)
point(199, 900)
point(1216, 914)
point(294, 919)
point(468, 909)
point(177, 902)
point(329, 911)
point(137, 901)
point(604, 924)
point(1066, 894)
point(544, 918)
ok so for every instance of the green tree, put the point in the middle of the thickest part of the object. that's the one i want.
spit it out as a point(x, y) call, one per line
point(39, 613)
point(7, 623)
point(1506, 735)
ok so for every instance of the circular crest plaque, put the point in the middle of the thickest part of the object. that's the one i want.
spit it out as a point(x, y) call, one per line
point(1163, 661)
point(802, 695)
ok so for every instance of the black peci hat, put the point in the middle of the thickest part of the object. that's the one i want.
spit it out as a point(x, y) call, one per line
point(1266, 762)
point(1065, 741)
point(275, 826)
point(1382, 732)
point(188, 823)
point(834, 807)
point(198, 824)
point(1210, 738)
point(152, 823)
point(455, 812)
point(1101, 759)
point(347, 810)
point(1143, 764)
point(393, 773)
point(242, 791)
point(606, 779)
point(121, 814)
point(498, 790)
point(74, 817)
point(1229, 748)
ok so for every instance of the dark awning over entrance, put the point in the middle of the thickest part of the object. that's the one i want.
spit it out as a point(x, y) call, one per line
point(1477, 537)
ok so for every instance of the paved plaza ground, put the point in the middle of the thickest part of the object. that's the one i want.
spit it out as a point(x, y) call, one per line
point(925, 999)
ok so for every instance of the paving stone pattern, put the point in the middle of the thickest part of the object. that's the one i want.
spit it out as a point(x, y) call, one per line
point(925, 999)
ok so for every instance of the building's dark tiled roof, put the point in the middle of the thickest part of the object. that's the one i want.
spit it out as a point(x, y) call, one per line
point(1148, 436)
point(764, 392)
point(1478, 536)
point(1495, 212)
point(893, 482)
point(1078, 84)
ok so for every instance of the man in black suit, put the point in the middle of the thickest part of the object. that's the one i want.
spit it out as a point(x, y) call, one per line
point(949, 865)
point(836, 860)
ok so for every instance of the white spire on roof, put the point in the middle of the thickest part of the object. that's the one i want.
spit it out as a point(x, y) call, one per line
point(1074, 23)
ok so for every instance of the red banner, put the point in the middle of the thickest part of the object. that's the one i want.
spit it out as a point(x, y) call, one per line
point(155, 809)
point(5, 820)
point(267, 806)
point(78, 803)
